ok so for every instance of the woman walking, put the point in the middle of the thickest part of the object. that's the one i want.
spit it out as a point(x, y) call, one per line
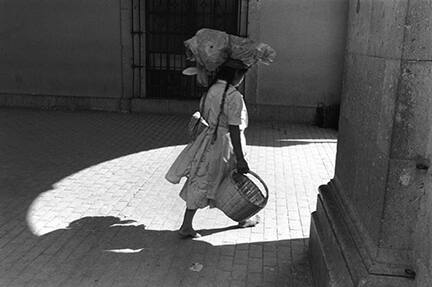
point(218, 149)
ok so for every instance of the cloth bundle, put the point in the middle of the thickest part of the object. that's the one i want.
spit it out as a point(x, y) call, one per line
point(209, 49)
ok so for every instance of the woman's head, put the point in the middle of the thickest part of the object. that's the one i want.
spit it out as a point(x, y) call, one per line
point(232, 72)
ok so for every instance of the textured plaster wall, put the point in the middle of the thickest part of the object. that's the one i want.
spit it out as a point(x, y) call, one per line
point(70, 48)
point(309, 37)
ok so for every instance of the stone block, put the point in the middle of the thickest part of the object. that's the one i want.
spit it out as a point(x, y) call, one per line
point(376, 28)
point(424, 230)
point(345, 156)
point(328, 265)
point(400, 213)
point(369, 92)
point(413, 120)
point(387, 20)
point(418, 39)
point(336, 256)
point(365, 132)
point(386, 281)
point(368, 101)
point(358, 26)
point(319, 256)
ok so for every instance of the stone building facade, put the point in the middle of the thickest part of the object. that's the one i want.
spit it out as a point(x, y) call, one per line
point(95, 54)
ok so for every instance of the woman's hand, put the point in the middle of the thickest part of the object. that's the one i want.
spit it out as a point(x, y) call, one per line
point(242, 166)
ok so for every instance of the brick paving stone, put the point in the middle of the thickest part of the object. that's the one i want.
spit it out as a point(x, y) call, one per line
point(83, 202)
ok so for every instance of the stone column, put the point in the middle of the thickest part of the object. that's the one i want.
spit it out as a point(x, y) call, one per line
point(369, 225)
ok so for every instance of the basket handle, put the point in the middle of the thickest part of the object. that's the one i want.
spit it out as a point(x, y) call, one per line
point(262, 182)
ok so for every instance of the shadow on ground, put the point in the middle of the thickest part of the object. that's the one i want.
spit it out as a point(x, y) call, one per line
point(106, 251)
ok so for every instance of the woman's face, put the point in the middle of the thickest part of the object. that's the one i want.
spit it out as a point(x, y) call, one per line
point(238, 79)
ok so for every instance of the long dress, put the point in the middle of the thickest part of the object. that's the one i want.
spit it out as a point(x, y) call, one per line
point(206, 164)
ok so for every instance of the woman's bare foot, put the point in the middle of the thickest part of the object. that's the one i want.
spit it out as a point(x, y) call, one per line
point(188, 233)
point(250, 222)
point(186, 229)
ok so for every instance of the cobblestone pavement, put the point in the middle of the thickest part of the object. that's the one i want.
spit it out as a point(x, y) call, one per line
point(83, 202)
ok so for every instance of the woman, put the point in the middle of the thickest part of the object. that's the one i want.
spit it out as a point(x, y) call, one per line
point(213, 155)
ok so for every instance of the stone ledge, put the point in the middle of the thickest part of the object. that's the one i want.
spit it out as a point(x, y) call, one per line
point(335, 258)
point(55, 102)
point(348, 219)
point(325, 257)
point(292, 114)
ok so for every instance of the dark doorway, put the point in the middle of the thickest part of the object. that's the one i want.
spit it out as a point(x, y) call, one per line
point(167, 24)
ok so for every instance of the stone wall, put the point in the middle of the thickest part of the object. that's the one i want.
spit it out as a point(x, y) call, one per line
point(381, 189)
point(386, 123)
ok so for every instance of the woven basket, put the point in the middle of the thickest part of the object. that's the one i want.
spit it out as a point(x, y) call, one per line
point(239, 197)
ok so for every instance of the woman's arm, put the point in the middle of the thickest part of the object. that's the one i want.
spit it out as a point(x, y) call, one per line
point(242, 166)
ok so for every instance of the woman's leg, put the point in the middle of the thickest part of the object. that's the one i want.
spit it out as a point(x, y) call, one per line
point(186, 230)
point(250, 222)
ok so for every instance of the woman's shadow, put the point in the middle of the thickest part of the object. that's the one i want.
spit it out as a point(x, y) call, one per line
point(105, 251)
point(108, 251)
point(128, 235)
